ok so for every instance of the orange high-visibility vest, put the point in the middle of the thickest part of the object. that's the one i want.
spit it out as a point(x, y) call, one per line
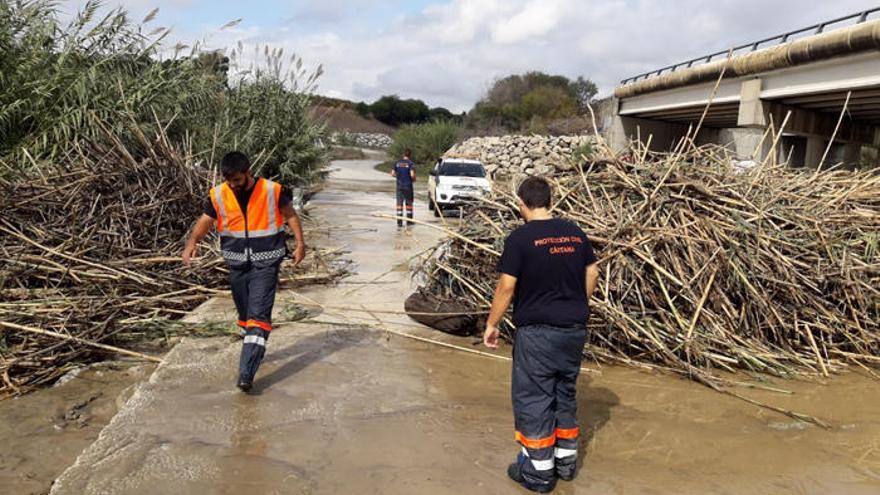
point(255, 236)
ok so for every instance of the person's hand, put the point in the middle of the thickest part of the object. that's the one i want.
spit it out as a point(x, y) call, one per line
point(490, 337)
point(298, 254)
point(189, 253)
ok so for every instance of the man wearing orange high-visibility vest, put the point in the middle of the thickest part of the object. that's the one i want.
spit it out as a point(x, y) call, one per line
point(249, 214)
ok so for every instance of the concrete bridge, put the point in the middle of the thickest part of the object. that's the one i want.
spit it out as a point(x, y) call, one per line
point(802, 78)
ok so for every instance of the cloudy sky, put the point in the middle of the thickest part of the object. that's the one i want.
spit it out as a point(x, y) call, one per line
point(448, 52)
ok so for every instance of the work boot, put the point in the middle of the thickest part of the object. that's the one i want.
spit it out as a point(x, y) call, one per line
point(245, 385)
point(566, 469)
point(516, 473)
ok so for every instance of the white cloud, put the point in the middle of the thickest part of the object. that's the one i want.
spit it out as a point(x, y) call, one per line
point(448, 53)
point(537, 18)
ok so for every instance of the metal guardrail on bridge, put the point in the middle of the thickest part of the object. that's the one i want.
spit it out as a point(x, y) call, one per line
point(859, 17)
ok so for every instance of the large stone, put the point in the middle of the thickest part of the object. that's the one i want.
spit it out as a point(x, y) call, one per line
point(544, 169)
point(511, 154)
point(537, 153)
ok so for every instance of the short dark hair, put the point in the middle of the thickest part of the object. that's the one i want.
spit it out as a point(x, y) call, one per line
point(534, 192)
point(407, 153)
point(234, 162)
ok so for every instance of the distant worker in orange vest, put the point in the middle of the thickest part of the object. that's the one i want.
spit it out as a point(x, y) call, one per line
point(249, 214)
point(405, 173)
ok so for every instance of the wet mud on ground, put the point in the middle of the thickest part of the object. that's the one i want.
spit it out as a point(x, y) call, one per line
point(42, 433)
point(341, 406)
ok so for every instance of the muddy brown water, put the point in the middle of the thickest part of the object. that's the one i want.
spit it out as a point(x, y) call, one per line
point(42, 433)
point(340, 406)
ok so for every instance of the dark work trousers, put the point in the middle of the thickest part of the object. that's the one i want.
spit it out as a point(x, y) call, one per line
point(404, 200)
point(546, 363)
point(253, 290)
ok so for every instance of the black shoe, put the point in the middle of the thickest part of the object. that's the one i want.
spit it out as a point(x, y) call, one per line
point(515, 472)
point(245, 385)
point(566, 472)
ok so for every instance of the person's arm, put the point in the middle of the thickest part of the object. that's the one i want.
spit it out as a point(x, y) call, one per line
point(592, 279)
point(500, 302)
point(203, 226)
point(394, 171)
point(412, 173)
point(293, 222)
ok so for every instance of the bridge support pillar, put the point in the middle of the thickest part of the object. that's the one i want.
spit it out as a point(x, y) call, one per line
point(745, 143)
point(851, 154)
point(815, 148)
point(752, 110)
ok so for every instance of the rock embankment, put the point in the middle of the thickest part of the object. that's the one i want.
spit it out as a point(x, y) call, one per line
point(508, 156)
point(362, 139)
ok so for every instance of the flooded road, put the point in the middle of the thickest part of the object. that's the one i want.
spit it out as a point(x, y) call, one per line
point(341, 406)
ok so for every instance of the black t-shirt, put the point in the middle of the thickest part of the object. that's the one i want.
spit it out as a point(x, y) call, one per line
point(548, 259)
point(244, 197)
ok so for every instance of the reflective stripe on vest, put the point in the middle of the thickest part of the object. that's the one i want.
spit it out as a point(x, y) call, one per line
point(263, 223)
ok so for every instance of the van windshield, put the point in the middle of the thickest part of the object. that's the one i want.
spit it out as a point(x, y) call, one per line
point(460, 169)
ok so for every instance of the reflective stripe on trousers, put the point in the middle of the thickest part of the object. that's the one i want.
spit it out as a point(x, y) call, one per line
point(253, 290)
point(546, 364)
point(252, 351)
point(404, 200)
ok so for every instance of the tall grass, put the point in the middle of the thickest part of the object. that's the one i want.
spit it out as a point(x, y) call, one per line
point(62, 85)
point(266, 115)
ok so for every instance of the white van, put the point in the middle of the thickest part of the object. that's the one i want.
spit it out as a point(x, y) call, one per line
point(454, 182)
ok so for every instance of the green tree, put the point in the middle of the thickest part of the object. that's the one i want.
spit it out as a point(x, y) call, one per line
point(584, 90)
point(526, 101)
point(548, 102)
point(394, 111)
point(440, 113)
point(363, 109)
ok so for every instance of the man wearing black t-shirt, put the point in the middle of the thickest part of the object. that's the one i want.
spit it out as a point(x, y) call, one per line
point(405, 173)
point(548, 270)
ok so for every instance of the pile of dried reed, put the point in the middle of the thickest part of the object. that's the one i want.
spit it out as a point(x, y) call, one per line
point(90, 250)
point(706, 269)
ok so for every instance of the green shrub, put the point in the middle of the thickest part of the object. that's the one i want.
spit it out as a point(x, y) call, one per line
point(582, 152)
point(428, 142)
